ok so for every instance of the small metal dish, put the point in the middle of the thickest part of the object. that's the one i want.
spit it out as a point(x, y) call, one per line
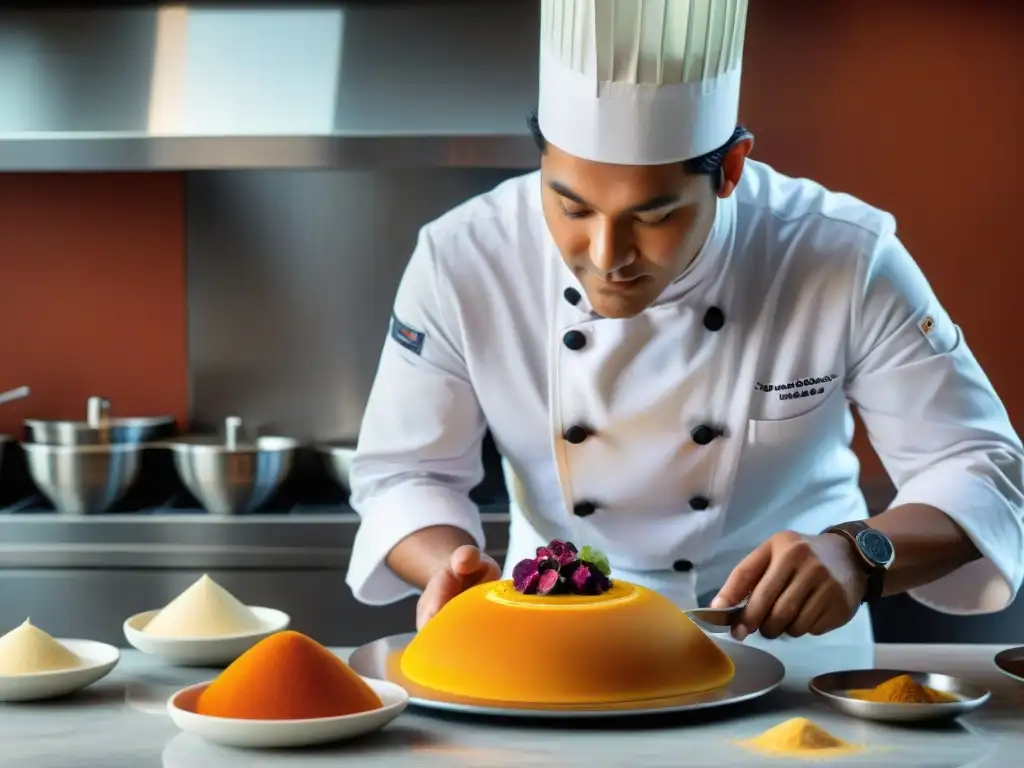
point(1010, 662)
point(338, 455)
point(834, 688)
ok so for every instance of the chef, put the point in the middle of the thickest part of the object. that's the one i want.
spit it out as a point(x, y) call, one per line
point(666, 339)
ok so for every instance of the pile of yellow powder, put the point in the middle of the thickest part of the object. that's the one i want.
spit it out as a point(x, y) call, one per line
point(902, 690)
point(799, 737)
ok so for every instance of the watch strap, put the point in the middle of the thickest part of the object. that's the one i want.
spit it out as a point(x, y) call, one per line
point(875, 586)
point(875, 574)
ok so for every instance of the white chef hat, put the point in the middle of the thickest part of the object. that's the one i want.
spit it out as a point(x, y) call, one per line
point(640, 82)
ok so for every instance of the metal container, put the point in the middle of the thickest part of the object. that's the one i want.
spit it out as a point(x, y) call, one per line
point(83, 479)
point(99, 428)
point(1010, 661)
point(338, 455)
point(231, 477)
point(835, 688)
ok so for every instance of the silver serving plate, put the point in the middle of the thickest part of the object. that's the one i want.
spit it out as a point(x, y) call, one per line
point(835, 686)
point(1011, 662)
point(757, 673)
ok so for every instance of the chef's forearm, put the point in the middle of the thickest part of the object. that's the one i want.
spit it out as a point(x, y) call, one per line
point(928, 545)
point(416, 557)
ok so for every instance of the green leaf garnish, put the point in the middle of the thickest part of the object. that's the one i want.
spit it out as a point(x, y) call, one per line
point(596, 558)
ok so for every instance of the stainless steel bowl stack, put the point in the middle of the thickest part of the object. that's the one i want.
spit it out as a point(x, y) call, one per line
point(86, 467)
point(338, 455)
point(230, 476)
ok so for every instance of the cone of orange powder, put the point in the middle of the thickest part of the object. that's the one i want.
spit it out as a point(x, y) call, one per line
point(287, 676)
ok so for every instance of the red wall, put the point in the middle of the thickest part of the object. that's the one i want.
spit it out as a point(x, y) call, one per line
point(92, 293)
point(913, 106)
point(916, 107)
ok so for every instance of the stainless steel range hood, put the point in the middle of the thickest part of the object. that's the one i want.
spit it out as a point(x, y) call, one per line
point(351, 86)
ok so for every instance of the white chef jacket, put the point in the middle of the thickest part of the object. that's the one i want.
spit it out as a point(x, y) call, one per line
point(715, 418)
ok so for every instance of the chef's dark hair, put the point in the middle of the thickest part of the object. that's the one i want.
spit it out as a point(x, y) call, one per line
point(709, 164)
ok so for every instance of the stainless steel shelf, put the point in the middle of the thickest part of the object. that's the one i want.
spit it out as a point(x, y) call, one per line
point(114, 152)
point(315, 539)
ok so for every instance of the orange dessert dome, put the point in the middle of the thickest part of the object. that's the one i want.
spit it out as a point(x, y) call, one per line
point(287, 676)
point(562, 632)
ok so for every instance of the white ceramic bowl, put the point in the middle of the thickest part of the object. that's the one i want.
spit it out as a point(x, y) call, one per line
point(99, 659)
point(202, 651)
point(273, 734)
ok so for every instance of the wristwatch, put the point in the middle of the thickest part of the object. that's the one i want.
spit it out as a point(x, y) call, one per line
point(875, 549)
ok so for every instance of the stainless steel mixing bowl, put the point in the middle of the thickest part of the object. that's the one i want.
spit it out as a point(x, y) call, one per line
point(83, 479)
point(338, 455)
point(232, 477)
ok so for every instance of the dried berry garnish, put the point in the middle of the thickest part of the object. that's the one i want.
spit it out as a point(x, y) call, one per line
point(562, 551)
point(548, 582)
point(560, 568)
point(588, 580)
point(525, 576)
point(547, 564)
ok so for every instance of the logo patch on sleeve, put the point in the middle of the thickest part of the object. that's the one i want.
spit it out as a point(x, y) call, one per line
point(939, 330)
point(408, 337)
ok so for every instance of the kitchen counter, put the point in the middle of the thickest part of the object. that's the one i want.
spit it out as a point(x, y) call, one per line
point(121, 721)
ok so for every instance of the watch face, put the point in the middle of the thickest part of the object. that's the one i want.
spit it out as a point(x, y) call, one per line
point(876, 547)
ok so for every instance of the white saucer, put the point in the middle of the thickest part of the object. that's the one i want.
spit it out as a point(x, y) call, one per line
point(202, 651)
point(271, 734)
point(98, 658)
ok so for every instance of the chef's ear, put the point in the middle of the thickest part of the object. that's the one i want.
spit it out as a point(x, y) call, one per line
point(732, 164)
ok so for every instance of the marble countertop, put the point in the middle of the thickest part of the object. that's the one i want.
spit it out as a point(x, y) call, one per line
point(121, 721)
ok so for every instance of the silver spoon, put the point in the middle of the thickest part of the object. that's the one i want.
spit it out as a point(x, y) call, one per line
point(14, 394)
point(716, 621)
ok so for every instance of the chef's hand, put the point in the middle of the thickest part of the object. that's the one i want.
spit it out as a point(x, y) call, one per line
point(467, 568)
point(797, 585)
